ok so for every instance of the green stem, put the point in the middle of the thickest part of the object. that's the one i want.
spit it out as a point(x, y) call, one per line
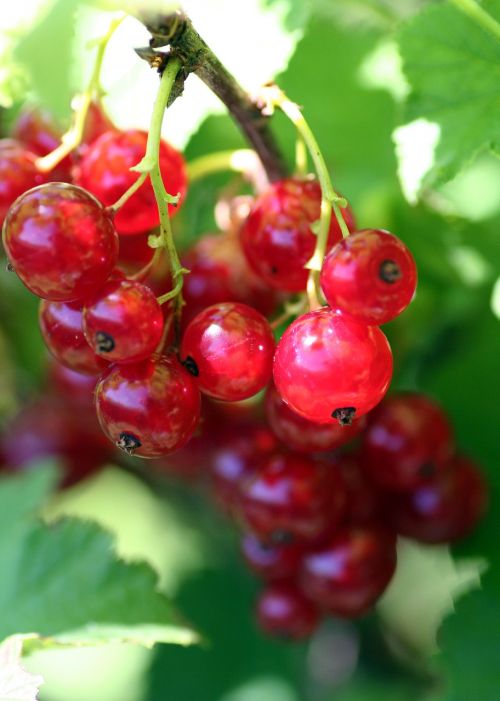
point(128, 193)
point(244, 161)
point(300, 157)
point(472, 9)
point(73, 137)
point(150, 164)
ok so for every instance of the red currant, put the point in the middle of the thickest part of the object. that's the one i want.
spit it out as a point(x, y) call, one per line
point(123, 321)
point(407, 441)
point(61, 326)
point(348, 574)
point(134, 252)
point(219, 272)
point(277, 237)
point(303, 435)
point(105, 171)
point(36, 129)
point(370, 275)
point(49, 428)
point(283, 611)
point(364, 500)
point(445, 509)
point(148, 409)
point(269, 560)
point(60, 241)
point(291, 496)
point(73, 387)
point(229, 348)
point(328, 367)
point(18, 173)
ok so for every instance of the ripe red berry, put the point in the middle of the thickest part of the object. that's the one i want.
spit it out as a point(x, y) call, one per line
point(291, 496)
point(18, 173)
point(60, 241)
point(364, 500)
point(348, 574)
point(219, 272)
point(328, 367)
point(283, 611)
point(74, 388)
point(270, 560)
point(407, 441)
point(150, 408)
point(277, 238)
point(134, 252)
point(61, 327)
point(36, 129)
point(229, 348)
point(123, 321)
point(370, 275)
point(445, 509)
point(105, 171)
point(50, 428)
point(303, 435)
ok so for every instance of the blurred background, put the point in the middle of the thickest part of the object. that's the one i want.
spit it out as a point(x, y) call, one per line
point(433, 635)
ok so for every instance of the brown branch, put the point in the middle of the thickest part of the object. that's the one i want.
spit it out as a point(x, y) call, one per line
point(177, 31)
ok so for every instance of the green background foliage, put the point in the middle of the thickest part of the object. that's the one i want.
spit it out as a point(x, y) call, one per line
point(353, 65)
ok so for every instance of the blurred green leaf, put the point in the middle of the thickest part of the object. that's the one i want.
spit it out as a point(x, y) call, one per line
point(65, 584)
point(454, 77)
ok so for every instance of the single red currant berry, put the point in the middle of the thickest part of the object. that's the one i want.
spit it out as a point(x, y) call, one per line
point(291, 496)
point(270, 560)
point(328, 367)
point(219, 272)
point(61, 327)
point(105, 171)
point(36, 129)
point(284, 612)
point(60, 241)
point(18, 173)
point(238, 447)
point(364, 500)
point(229, 348)
point(370, 275)
point(150, 408)
point(445, 509)
point(277, 237)
point(303, 435)
point(407, 441)
point(348, 574)
point(123, 321)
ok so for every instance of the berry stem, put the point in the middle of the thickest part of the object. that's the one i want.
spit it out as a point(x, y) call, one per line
point(128, 193)
point(177, 31)
point(479, 15)
point(150, 165)
point(244, 161)
point(73, 137)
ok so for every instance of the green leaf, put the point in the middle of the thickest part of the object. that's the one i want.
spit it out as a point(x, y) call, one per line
point(455, 84)
point(64, 583)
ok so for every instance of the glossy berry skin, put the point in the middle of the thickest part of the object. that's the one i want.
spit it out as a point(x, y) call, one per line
point(277, 238)
point(445, 509)
point(60, 241)
point(371, 275)
point(349, 573)
point(105, 171)
point(302, 435)
point(61, 327)
point(123, 321)
point(18, 173)
point(134, 252)
point(329, 368)
point(408, 440)
point(283, 611)
point(292, 497)
point(270, 560)
point(150, 408)
point(230, 349)
point(219, 272)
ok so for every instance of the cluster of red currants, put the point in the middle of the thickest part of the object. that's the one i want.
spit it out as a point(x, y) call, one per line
point(321, 520)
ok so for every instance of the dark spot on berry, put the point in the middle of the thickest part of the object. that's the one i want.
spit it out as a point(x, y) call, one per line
point(389, 271)
point(281, 537)
point(104, 343)
point(344, 415)
point(191, 366)
point(128, 443)
point(428, 469)
point(274, 269)
point(9, 268)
